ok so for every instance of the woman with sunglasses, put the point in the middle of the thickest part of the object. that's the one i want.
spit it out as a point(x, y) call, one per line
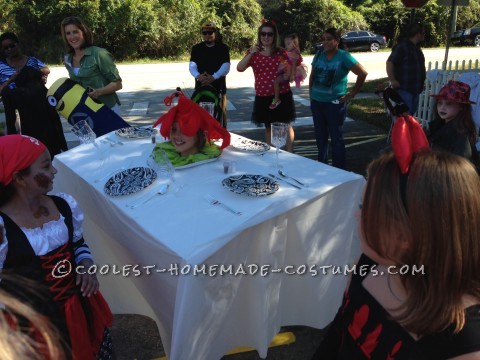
point(92, 66)
point(265, 58)
point(22, 80)
point(329, 95)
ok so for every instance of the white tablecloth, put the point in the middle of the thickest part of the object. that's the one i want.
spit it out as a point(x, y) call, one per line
point(202, 316)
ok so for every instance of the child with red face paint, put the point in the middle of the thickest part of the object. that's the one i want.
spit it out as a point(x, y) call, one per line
point(453, 129)
point(41, 232)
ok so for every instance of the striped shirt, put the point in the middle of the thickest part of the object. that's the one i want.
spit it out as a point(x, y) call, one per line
point(6, 71)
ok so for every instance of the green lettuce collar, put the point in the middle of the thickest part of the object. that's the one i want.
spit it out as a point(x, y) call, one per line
point(209, 151)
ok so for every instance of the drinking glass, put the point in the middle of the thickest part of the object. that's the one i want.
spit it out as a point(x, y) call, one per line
point(162, 165)
point(84, 132)
point(209, 106)
point(279, 138)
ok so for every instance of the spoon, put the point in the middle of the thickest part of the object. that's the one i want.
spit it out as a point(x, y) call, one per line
point(163, 190)
point(283, 174)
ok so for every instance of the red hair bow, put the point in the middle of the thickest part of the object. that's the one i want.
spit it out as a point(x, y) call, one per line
point(408, 137)
point(271, 21)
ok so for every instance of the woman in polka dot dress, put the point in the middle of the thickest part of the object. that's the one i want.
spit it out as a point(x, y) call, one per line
point(264, 58)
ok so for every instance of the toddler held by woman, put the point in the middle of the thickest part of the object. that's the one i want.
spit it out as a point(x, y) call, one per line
point(292, 69)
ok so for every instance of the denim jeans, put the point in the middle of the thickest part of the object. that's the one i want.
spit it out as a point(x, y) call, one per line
point(328, 119)
point(411, 100)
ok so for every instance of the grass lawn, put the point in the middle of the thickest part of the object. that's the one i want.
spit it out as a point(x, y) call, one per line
point(370, 110)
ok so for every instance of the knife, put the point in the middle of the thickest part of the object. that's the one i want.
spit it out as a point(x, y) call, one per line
point(288, 182)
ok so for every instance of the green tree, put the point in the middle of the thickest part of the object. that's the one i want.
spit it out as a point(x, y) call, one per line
point(238, 21)
point(469, 16)
point(309, 18)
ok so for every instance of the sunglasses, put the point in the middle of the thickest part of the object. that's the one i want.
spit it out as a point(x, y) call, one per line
point(9, 46)
point(269, 34)
point(208, 32)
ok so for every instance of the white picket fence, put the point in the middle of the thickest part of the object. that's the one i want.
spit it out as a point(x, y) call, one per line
point(436, 78)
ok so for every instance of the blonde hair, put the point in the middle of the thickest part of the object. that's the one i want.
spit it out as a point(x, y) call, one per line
point(436, 210)
point(39, 341)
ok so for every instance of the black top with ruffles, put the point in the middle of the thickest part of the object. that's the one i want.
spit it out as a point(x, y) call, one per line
point(363, 329)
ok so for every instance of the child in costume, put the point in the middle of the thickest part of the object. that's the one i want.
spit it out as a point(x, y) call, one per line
point(41, 232)
point(291, 69)
point(190, 129)
point(420, 209)
point(453, 129)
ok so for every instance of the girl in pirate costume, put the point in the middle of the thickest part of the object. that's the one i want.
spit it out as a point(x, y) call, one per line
point(41, 233)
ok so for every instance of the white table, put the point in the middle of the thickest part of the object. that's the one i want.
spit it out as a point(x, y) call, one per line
point(203, 316)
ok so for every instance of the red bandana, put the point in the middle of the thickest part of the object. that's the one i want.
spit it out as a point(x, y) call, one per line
point(191, 117)
point(17, 152)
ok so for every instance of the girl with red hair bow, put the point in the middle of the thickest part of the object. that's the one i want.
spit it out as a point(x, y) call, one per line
point(41, 232)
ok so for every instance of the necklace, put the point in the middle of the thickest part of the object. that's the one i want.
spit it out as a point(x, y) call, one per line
point(390, 288)
point(42, 211)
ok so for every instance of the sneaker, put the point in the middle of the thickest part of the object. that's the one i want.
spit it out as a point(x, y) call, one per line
point(274, 104)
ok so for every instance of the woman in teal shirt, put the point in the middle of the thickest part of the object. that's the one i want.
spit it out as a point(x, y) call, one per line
point(329, 97)
point(93, 67)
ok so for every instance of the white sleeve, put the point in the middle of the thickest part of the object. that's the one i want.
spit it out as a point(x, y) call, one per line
point(80, 246)
point(223, 71)
point(193, 68)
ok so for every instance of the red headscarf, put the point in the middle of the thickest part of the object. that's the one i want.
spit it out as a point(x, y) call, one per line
point(191, 117)
point(17, 152)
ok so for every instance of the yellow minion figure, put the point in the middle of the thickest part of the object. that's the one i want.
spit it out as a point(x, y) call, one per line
point(71, 100)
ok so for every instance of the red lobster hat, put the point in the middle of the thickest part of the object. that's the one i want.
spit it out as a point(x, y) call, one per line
point(191, 117)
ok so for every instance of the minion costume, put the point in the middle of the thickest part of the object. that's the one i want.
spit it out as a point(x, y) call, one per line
point(71, 100)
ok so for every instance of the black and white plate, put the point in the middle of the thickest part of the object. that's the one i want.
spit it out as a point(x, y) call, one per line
point(135, 132)
point(251, 185)
point(248, 145)
point(130, 181)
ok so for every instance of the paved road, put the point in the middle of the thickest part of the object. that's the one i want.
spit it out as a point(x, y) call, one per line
point(146, 85)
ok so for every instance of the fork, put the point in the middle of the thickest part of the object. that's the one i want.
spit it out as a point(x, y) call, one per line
point(213, 201)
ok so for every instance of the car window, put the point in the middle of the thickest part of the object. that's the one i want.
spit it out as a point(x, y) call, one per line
point(363, 33)
point(350, 34)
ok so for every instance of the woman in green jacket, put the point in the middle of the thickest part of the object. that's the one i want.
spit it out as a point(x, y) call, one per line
point(93, 67)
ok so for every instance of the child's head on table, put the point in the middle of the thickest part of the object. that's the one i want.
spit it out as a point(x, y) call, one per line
point(189, 127)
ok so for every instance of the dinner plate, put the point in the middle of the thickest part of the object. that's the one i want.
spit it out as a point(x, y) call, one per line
point(129, 181)
point(251, 185)
point(134, 132)
point(248, 145)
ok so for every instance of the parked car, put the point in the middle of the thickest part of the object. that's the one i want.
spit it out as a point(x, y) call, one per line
point(470, 36)
point(358, 40)
point(363, 40)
